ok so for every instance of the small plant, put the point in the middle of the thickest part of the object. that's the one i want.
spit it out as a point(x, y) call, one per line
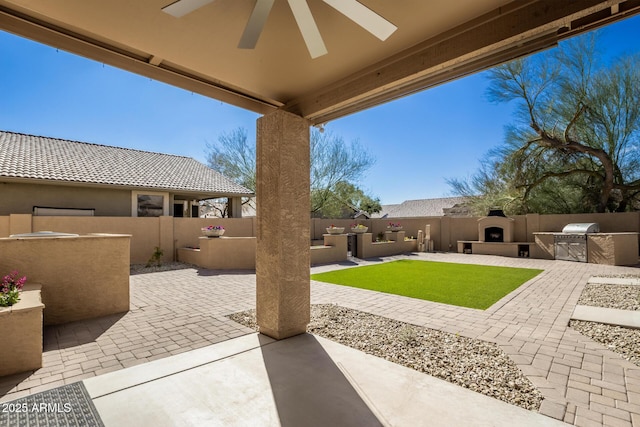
point(380, 237)
point(395, 225)
point(10, 289)
point(407, 335)
point(213, 227)
point(156, 257)
point(358, 226)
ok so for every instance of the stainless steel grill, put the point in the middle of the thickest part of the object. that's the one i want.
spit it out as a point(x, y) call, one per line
point(571, 244)
point(581, 228)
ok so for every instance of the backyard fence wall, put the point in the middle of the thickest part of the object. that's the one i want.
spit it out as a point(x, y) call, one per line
point(170, 233)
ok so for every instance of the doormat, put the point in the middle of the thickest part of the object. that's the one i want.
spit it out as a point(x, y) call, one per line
point(69, 405)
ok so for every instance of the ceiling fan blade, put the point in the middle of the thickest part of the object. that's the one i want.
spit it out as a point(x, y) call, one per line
point(308, 28)
point(365, 17)
point(182, 7)
point(255, 24)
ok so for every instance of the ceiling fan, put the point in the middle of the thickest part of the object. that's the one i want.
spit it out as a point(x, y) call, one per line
point(352, 9)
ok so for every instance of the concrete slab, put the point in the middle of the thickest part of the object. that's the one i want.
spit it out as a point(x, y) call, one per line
point(611, 316)
point(119, 380)
point(304, 380)
point(598, 280)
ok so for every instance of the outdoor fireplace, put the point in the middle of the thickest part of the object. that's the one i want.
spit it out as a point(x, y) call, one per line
point(495, 227)
point(494, 234)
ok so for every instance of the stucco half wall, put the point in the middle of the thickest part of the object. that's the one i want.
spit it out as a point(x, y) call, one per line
point(82, 277)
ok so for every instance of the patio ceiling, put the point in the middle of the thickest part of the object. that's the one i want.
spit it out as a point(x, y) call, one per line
point(436, 41)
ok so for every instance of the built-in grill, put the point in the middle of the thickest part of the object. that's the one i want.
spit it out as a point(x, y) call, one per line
point(571, 244)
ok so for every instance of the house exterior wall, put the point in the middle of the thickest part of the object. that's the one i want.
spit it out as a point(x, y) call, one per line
point(20, 198)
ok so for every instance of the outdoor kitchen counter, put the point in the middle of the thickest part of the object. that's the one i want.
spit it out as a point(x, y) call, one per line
point(602, 248)
point(612, 248)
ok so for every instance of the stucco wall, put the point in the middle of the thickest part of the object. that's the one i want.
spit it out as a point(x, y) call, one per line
point(613, 249)
point(172, 233)
point(21, 348)
point(333, 250)
point(145, 232)
point(396, 245)
point(82, 277)
point(545, 246)
point(409, 225)
point(491, 248)
point(461, 229)
point(187, 230)
point(520, 229)
point(609, 222)
point(239, 253)
point(4, 226)
point(222, 253)
point(166, 232)
point(21, 198)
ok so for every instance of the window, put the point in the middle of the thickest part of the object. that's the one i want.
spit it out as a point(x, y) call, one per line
point(150, 204)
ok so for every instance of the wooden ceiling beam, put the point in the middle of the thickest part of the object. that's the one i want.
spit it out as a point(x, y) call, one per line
point(497, 37)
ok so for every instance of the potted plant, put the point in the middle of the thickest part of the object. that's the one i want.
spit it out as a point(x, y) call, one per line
point(359, 228)
point(394, 226)
point(10, 289)
point(213, 230)
point(335, 230)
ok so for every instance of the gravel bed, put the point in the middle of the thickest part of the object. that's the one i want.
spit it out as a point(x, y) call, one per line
point(624, 341)
point(165, 266)
point(622, 297)
point(477, 365)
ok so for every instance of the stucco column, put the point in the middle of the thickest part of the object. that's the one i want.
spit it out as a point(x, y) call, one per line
point(235, 207)
point(283, 198)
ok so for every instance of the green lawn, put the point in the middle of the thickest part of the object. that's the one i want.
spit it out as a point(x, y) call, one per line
point(466, 285)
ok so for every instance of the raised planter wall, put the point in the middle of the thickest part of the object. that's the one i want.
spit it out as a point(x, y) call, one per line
point(396, 245)
point(333, 250)
point(239, 253)
point(222, 253)
point(21, 326)
point(82, 277)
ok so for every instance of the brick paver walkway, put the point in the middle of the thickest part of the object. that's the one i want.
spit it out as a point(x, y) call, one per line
point(172, 312)
point(583, 383)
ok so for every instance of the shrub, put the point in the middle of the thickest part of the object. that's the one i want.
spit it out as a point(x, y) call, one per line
point(10, 289)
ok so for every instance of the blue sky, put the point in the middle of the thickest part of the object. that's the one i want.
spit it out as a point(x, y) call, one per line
point(418, 141)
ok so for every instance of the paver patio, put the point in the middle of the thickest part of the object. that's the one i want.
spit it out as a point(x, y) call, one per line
point(173, 312)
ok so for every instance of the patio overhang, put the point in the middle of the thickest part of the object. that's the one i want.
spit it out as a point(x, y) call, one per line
point(436, 42)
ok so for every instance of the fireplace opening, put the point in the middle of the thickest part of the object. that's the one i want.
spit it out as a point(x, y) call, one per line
point(494, 234)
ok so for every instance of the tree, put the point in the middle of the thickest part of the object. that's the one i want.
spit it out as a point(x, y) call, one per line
point(234, 157)
point(333, 161)
point(575, 145)
point(345, 200)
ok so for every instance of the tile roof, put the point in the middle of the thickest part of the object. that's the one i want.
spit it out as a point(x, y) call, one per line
point(423, 207)
point(37, 157)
